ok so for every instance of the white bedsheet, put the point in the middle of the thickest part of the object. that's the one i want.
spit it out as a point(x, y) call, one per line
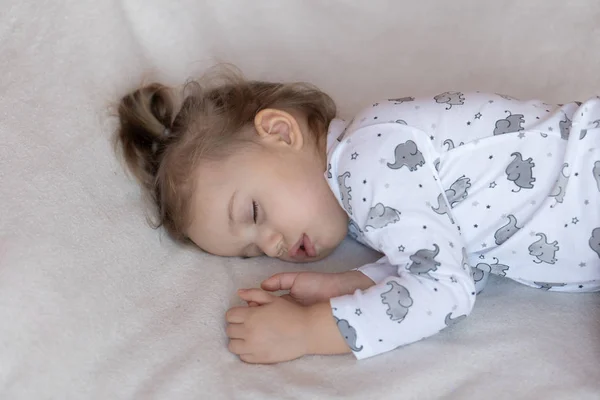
point(96, 305)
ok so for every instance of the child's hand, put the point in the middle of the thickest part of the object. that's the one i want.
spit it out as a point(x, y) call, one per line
point(314, 287)
point(272, 331)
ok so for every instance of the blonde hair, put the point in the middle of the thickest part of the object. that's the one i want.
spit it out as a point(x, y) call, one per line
point(163, 134)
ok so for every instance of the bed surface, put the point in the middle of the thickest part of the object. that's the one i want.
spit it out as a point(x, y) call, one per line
point(96, 305)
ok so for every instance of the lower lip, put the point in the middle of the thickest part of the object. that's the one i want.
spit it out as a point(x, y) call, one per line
point(308, 247)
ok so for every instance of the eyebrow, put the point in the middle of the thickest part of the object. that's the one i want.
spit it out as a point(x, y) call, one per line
point(244, 253)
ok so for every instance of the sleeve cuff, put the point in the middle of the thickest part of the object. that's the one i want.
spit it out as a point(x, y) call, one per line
point(378, 272)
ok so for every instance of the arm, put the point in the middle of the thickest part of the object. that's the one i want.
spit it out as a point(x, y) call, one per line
point(423, 283)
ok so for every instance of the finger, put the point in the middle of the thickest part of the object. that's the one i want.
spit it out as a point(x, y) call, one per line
point(281, 281)
point(235, 331)
point(253, 304)
point(256, 295)
point(237, 346)
point(236, 315)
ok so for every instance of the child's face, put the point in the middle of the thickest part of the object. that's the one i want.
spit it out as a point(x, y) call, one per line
point(270, 198)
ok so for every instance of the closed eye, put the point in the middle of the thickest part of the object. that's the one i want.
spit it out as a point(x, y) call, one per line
point(254, 211)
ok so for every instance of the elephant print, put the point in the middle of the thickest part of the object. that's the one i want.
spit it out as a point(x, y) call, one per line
point(506, 231)
point(455, 194)
point(380, 216)
point(584, 131)
point(407, 154)
point(345, 191)
point(450, 98)
point(449, 321)
point(596, 174)
point(544, 251)
point(478, 274)
point(423, 261)
point(329, 176)
point(510, 124)
point(495, 268)
point(401, 100)
point(560, 186)
point(398, 301)
point(348, 332)
point(458, 191)
point(520, 172)
point(450, 144)
point(565, 127)
point(594, 241)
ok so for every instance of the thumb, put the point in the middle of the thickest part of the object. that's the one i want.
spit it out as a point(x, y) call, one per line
point(257, 296)
point(281, 281)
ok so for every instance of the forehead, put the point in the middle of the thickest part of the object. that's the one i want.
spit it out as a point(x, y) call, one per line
point(215, 182)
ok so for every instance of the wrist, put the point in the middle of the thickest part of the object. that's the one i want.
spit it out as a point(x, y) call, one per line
point(323, 335)
point(352, 280)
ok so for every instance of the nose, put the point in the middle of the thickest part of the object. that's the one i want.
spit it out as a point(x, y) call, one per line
point(271, 242)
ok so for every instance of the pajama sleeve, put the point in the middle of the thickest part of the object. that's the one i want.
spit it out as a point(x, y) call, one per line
point(386, 180)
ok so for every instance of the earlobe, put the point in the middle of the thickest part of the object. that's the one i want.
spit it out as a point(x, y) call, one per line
point(278, 126)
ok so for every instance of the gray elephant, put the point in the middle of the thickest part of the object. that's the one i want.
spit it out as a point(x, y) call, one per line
point(450, 98)
point(449, 321)
point(455, 194)
point(565, 127)
point(442, 207)
point(495, 268)
point(380, 216)
point(544, 251)
point(510, 124)
point(594, 241)
point(478, 274)
point(345, 191)
point(423, 261)
point(596, 173)
point(549, 285)
point(520, 172)
point(407, 154)
point(560, 186)
point(401, 100)
point(348, 332)
point(506, 231)
point(450, 144)
point(398, 301)
point(584, 131)
point(458, 191)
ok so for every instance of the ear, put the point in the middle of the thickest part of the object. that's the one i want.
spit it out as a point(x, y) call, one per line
point(280, 127)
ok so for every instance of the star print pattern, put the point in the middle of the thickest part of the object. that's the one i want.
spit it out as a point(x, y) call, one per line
point(513, 219)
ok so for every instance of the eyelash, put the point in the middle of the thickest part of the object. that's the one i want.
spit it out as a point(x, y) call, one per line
point(254, 210)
